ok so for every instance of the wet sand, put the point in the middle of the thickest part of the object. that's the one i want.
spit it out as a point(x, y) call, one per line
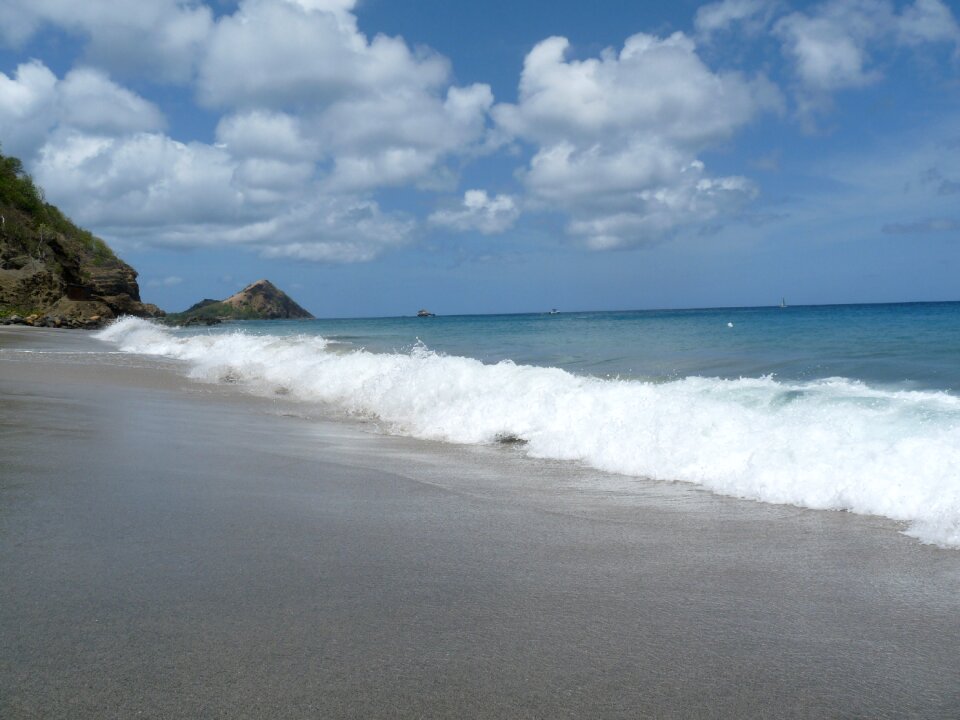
point(174, 550)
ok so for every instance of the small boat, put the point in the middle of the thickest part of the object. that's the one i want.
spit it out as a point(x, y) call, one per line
point(553, 311)
point(783, 303)
point(425, 313)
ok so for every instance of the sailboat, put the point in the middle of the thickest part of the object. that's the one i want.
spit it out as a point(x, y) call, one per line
point(783, 303)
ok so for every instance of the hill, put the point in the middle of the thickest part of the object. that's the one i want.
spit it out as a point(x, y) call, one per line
point(52, 272)
point(261, 300)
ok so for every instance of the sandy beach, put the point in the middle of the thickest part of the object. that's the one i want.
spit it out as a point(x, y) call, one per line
point(170, 549)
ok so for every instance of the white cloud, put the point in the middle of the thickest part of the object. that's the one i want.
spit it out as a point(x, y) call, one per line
point(396, 138)
point(169, 281)
point(342, 229)
point(27, 103)
point(481, 212)
point(161, 37)
point(90, 101)
point(139, 181)
point(262, 133)
point(281, 53)
point(661, 211)
point(382, 113)
point(750, 15)
point(149, 188)
point(34, 103)
point(318, 118)
point(831, 45)
point(927, 21)
point(657, 86)
point(617, 136)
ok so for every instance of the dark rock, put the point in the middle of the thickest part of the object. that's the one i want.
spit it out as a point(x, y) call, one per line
point(79, 292)
point(201, 321)
point(45, 260)
point(510, 439)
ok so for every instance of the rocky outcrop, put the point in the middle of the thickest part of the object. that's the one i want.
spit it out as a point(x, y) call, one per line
point(266, 301)
point(261, 300)
point(53, 273)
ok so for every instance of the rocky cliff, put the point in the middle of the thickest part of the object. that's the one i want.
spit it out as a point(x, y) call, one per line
point(53, 273)
point(261, 300)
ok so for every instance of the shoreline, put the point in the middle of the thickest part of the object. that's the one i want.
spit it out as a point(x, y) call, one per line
point(183, 550)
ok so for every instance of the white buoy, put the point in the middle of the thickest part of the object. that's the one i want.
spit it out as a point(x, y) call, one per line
point(729, 324)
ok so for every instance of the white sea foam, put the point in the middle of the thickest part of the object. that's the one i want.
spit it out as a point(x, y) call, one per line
point(832, 444)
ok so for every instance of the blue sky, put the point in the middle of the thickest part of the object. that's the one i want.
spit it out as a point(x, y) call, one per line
point(376, 157)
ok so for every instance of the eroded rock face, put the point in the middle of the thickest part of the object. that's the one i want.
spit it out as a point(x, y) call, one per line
point(42, 288)
point(54, 270)
point(32, 285)
point(58, 278)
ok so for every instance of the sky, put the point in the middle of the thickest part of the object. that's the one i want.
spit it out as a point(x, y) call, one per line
point(373, 157)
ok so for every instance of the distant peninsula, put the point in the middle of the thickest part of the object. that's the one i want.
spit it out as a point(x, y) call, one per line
point(53, 273)
point(261, 300)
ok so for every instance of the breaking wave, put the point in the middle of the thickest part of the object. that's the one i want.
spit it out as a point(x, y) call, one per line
point(829, 444)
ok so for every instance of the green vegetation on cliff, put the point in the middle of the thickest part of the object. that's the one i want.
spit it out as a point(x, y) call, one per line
point(29, 217)
point(53, 269)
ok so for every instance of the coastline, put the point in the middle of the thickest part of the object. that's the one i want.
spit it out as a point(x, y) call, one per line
point(182, 550)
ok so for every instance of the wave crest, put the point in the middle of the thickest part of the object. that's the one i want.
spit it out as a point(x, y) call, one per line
point(830, 444)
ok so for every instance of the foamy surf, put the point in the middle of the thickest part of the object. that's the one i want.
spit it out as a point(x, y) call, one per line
point(830, 444)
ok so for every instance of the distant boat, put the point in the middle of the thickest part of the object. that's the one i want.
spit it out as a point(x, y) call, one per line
point(554, 311)
point(783, 302)
point(425, 313)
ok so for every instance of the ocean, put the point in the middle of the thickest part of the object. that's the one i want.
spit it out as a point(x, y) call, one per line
point(846, 407)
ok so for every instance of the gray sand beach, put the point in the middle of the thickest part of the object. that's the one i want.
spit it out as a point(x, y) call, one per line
point(176, 550)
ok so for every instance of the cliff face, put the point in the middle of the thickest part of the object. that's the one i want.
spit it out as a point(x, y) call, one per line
point(261, 300)
point(53, 272)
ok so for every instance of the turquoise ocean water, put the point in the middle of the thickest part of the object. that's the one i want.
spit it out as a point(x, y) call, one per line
point(852, 407)
point(907, 345)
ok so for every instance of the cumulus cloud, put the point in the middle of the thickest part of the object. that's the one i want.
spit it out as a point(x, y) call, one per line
point(617, 136)
point(162, 37)
point(658, 212)
point(34, 103)
point(652, 86)
point(90, 101)
point(27, 101)
point(399, 138)
point(284, 53)
point(481, 212)
point(831, 46)
point(382, 113)
point(148, 187)
point(263, 133)
point(343, 229)
point(317, 117)
point(139, 181)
